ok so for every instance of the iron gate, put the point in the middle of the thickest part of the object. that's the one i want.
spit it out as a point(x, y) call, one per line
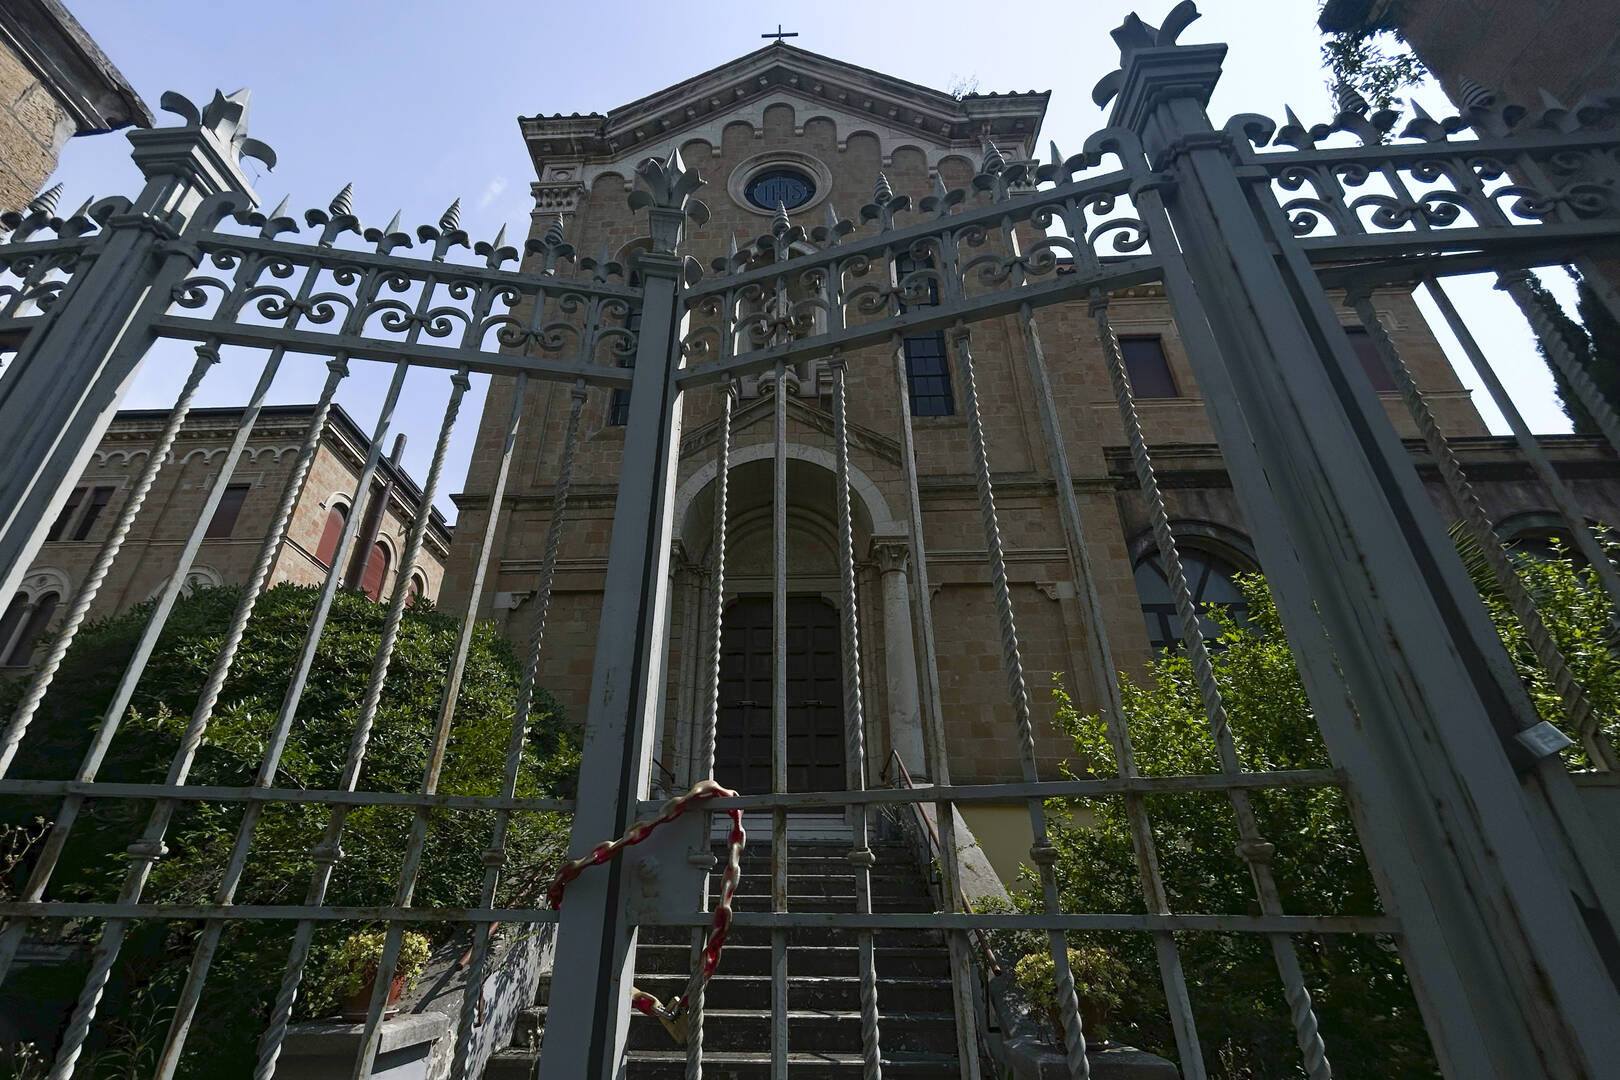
point(1491, 872)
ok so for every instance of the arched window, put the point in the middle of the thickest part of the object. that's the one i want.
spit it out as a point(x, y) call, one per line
point(1209, 577)
point(329, 535)
point(25, 619)
point(376, 572)
point(418, 586)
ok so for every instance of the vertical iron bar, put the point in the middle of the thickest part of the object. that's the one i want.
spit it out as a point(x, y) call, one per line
point(207, 357)
point(1252, 848)
point(1563, 498)
point(779, 840)
point(860, 855)
point(494, 856)
point(1577, 706)
point(710, 711)
point(938, 757)
point(1042, 852)
point(203, 954)
point(326, 854)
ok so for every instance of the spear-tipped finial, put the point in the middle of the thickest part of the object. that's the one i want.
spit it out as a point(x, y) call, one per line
point(554, 234)
point(280, 210)
point(882, 193)
point(500, 235)
point(343, 204)
point(451, 221)
point(779, 221)
point(994, 162)
point(1349, 99)
point(45, 202)
point(1292, 118)
point(731, 247)
point(1057, 155)
point(393, 225)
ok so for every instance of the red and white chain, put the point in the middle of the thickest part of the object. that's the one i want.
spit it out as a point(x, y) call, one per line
point(672, 1013)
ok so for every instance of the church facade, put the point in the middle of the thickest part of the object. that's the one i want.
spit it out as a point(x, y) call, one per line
point(783, 127)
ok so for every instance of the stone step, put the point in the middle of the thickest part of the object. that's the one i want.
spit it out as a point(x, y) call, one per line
point(728, 991)
point(516, 1064)
point(809, 1030)
point(926, 961)
point(797, 936)
point(833, 880)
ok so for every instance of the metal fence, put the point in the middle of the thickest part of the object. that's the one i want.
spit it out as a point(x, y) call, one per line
point(1492, 875)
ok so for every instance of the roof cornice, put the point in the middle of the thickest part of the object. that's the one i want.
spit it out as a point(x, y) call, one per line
point(935, 116)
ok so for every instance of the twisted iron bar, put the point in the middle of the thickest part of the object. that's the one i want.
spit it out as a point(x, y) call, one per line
point(1577, 706)
point(494, 857)
point(1252, 848)
point(1074, 1040)
point(711, 710)
point(1517, 285)
point(202, 957)
point(326, 854)
point(28, 705)
point(860, 856)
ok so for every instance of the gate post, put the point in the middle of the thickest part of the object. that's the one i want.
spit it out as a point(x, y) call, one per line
point(588, 1020)
point(1506, 970)
point(73, 369)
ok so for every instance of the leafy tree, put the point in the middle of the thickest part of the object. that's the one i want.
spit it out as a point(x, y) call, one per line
point(1375, 61)
point(248, 967)
point(1368, 1016)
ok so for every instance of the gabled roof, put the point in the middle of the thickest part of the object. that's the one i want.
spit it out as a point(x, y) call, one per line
point(935, 116)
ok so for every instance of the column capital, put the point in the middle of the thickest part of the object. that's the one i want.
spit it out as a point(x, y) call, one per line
point(891, 553)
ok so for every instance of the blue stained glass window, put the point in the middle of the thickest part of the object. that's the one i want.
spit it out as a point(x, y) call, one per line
point(789, 187)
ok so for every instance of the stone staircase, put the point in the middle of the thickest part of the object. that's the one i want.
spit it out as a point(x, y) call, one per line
point(917, 1028)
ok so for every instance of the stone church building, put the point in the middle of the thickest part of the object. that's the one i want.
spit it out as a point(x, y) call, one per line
point(785, 126)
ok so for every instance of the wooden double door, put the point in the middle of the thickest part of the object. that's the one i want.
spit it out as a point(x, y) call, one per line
point(815, 714)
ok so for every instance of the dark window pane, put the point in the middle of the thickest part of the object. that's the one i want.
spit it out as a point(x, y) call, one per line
point(66, 514)
point(329, 535)
point(1209, 579)
point(99, 497)
point(1148, 368)
point(230, 507)
point(38, 619)
point(1371, 362)
point(11, 622)
point(928, 375)
point(376, 572)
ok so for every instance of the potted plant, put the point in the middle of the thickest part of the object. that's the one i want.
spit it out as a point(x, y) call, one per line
point(1099, 979)
point(349, 974)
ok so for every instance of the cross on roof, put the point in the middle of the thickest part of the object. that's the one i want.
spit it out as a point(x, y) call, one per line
point(779, 35)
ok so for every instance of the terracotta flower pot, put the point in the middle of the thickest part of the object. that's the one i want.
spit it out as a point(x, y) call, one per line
point(357, 1006)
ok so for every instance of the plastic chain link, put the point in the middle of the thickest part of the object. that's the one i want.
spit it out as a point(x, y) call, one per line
point(673, 1014)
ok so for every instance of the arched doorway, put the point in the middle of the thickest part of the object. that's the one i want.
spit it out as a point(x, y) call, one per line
point(815, 714)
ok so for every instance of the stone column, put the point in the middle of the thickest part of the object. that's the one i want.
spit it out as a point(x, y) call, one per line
point(900, 656)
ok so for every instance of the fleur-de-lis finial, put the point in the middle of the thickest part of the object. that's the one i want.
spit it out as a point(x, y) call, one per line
point(497, 251)
point(451, 220)
point(994, 161)
point(388, 237)
point(882, 193)
point(343, 203)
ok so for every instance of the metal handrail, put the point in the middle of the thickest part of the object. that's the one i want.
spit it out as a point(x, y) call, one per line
point(937, 849)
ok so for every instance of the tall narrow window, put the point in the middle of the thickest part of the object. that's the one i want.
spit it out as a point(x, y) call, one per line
point(329, 535)
point(11, 623)
point(1149, 369)
point(1371, 362)
point(230, 507)
point(376, 572)
point(619, 401)
point(928, 366)
point(23, 639)
point(65, 516)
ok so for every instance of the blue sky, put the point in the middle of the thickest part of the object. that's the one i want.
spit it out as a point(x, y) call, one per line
point(416, 104)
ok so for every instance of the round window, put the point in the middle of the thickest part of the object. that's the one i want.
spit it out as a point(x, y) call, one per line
point(789, 187)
